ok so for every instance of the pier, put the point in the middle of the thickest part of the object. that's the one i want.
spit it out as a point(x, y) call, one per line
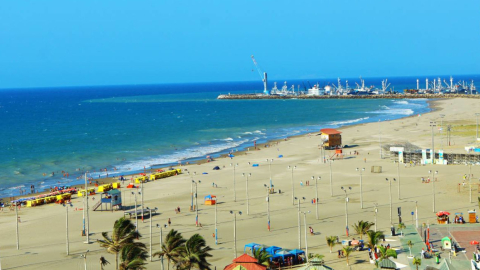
point(386, 96)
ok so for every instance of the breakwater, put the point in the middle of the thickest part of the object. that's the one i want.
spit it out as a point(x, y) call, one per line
point(388, 96)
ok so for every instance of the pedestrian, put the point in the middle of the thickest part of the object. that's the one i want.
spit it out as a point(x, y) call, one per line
point(169, 222)
point(365, 160)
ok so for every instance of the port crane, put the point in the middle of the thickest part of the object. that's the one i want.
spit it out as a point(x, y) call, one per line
point(264, 78)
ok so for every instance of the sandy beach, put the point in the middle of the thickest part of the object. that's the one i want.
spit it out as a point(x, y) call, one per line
point(42, 233)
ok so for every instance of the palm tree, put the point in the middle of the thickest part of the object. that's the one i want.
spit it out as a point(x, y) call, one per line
point(401, 226)
point(194, 253)
point(374, 237)
point(124, 233)
point(347, 251)
point(103, 262)
point(410, 245)
point(417, 262)
point(262, 256)
point(387, 252)
point(331, 241)
point(171, 247)
point(361, 227)
point(133, 257)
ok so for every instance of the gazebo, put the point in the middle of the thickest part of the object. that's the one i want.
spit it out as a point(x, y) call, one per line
point(271, 250)
point(250, 246)
point(387, 264)
point(245, 262)
point(315, 264)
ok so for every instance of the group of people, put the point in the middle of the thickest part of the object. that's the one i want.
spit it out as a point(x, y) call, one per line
point(288, 261)
point(177, 210)
point(459, 219)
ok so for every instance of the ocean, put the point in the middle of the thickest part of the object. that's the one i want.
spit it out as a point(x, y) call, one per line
point(47, 131)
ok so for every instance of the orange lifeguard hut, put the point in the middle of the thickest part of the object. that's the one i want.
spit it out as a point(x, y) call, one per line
point(210, 200)
point(331, 138)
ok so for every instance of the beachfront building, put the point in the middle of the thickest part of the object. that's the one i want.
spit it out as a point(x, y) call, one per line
point(245, 262)
point(331, 138)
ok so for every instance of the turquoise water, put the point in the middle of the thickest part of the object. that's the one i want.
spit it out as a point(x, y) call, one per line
point(80, 129)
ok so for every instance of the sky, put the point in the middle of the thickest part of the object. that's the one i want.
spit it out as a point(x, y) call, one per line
point(54, 43)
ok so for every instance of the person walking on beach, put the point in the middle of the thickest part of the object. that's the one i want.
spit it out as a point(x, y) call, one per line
point(169, 222)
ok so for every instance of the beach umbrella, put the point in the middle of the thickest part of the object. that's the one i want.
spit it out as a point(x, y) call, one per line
point(473, 242)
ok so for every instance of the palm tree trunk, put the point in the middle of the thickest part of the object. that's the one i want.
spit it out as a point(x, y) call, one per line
point(347, 260)
point(168, 262)
point(116, 261)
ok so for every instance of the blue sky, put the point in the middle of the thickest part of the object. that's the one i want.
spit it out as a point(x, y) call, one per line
point(60, 43)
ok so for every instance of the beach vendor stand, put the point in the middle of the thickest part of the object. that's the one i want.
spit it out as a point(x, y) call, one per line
point(442, 217)
point(472, 216)
point(91, 191)
point(104, 188)
point(210, 200)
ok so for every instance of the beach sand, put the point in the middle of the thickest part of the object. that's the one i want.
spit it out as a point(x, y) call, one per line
point(43, 235)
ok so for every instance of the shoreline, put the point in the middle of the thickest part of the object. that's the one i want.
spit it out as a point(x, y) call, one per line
point(203, 160)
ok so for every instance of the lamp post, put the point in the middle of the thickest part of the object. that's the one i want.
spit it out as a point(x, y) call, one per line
point(216, 231)
point(196, 202)
point(84, 256)
point(141, 196)
point(476, 138)
point(151, 236)
point(432, 125)
point(246, 175)
point(234, 188)
point(433, 186)
point(87, 231)
point(416, 214)
point(380, 138)
point(234, 213)
point(398, 176)
point(293, 186)
point(299, 223)
point(361, 186)
point(306, 243)
point(66, 225)
point(161, 241)
point(316, 194)
point(270, 170)
point(346, 207)
point(441, 128)
point(16, 226)
point(470, 180)
point(390, 192)
point(375, 210)
point(136, 212)
point(268, 206)
point(331, 176)
point(191, 189)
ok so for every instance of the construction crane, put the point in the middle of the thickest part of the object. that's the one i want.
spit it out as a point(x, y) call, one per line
point(264, 78)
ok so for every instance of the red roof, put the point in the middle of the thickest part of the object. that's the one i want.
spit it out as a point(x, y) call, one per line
point(246, 261)
point(330, 131)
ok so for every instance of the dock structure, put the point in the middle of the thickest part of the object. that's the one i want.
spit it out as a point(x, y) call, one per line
point(386, 96)
point(451, 158)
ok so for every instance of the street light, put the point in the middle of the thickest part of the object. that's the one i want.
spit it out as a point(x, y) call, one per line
point(234, 213)
point(433, 187)
point(346, 207)
point(151, 239)
point(330, 161)
point(234, 189)
point(191, 189)
point(136, 213)
point(268, 206)
point(390, 191)
point(380, 138)
point(470, 180)
point(416, 214)
point(196, 202)
point(306, 243)
point(246, 175)
point(476, 138)
point(161, 240)
point(316, 194)
point(84, 256)
point(293, 186)
point(398, 176)
point(361, 186)
point(433, 124)
point(299, 223)
point(270, 169)
point(375, 209)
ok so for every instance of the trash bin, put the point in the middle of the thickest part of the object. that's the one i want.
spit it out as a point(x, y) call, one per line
point(393, 231)
point(279, 191)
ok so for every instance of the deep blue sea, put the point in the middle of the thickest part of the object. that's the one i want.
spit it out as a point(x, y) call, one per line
point(78, 129)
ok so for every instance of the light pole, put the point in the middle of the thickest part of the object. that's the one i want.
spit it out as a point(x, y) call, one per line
point(476, 138)
point(268, 206)
point(191, 189)
point(293, 186)
point(398, 176)
point(316, 194)
point(416, 214)
point(141, 196)
point(361, 186)
point(346, 207)
point(16, 221)
point(433, 124)
point(331, 176)
point(306, 243)
point(299, 223)
point(87, 232)
point(234, 188)
point(136, 212)
point(234, 213)
point(196, 202)
point(84, 256)
point(151, 236)
point(246, 175)
point(390, 192)
point(270, 170)
point(433, 186)
point(161, 241)
point(470, 180)
point(66, 225)
point(441, 129)
point(380, 138)
point(216, 231)
point(375, 210)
